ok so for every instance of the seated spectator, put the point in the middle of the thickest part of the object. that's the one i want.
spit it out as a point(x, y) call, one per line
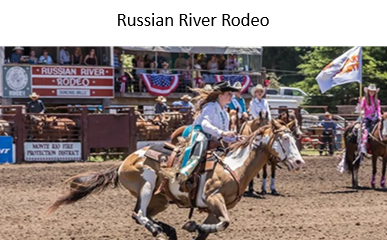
point(221, 62)
point(160, 60)
point(152, 68)
point(185, 104)
point(16, 55)
point(32, 59)
point(161, 105)
point(181, 62)
point(212, 65)
point(76, 57)
point(165, 69)
point(91, 59)
point(232, 63)
point(45, 58)
point(64, 56)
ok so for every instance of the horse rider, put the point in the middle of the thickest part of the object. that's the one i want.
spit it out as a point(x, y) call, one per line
point(329, 133)
point(237, 101)
point(161, 105)
point(212, 122)
point(370, 104)
point(259, 104)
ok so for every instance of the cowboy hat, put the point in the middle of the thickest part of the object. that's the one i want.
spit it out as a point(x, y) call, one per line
point(254, 89)
point(34, 95)
point(17, 48)
point(328, 114)
point(165, 64)
point(371, 87)
point(224, 87)
point(161, 99)
point(186, 97)
point(208, 87)
point(237, 85)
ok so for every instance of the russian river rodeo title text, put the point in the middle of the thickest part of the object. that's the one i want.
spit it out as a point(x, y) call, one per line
point(188, 20)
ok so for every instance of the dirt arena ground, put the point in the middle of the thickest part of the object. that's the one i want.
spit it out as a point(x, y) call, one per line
point(315, 204)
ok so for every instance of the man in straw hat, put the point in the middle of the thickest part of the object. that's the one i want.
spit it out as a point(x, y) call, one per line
point(161, 105)
point(259, 104)
point(237, 101)
point(328, 134)
point(35, 105)
point(185, 103)
point(16, 56)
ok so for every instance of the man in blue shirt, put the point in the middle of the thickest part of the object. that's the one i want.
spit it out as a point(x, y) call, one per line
point(237, 101)
point(185, 104)
point(328, 134)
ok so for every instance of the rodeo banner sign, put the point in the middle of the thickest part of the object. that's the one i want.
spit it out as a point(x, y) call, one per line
point(16, 81)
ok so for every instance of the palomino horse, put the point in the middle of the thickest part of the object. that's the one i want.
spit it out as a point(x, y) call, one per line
point(219, 190)
point(378, 146)
point(261, 121)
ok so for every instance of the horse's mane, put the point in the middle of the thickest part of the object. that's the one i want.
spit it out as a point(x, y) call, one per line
point(249, 140)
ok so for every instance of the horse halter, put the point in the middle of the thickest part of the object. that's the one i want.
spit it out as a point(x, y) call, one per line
point(275, 138)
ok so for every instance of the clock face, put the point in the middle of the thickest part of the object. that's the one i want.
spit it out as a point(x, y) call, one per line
point(16, 78)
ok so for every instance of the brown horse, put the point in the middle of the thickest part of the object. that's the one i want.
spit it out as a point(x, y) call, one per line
point(219, 190)
point(292, 124)
point(377, 144)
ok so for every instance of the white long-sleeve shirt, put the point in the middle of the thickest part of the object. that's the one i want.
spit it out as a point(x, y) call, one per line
point(257, 106)
point(214, 120)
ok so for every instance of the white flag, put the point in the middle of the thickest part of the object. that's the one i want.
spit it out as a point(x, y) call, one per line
point(342, 70)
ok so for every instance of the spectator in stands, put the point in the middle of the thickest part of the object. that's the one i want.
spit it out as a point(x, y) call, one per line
point(161, 105)
point(165, 69)
point(185, 103)
point(181, 62)
point(198, 76)
point(232, 62)
point(32, 59)
point(152, 68)
point(160, 60)
point(91, 59)
point(328, 133)
point(221, 62)
point(117, 58)
point(64, 56)
point(16, 55)
point(77, 57)
point(35, 105)
point(212, 65)
point(45, 58)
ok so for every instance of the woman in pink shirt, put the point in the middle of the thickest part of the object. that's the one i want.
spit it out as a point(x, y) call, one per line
point(370, 104)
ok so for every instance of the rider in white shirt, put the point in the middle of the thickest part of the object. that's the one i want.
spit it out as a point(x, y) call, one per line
point(259, 104)
point(212, 123)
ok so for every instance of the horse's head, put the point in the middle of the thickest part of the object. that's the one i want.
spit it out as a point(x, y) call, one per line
point(283, 146)
point(233, 114)
point(295, 128)
point(384, 126)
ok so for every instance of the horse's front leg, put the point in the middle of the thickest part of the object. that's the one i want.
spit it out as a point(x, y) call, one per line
point(383, 179)
point(374, 169)
point(216, 223)
point(272, 180)
point(264, 177)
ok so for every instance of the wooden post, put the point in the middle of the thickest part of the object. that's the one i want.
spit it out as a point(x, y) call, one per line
point(299, 119)
point(85, 134)
point(132, 131)
point(20, 136)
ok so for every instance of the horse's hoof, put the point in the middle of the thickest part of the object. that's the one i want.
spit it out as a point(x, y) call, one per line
point(190, 226)
point(161, 236)
point(263, 192)
point(274, 192)
point(373, 186)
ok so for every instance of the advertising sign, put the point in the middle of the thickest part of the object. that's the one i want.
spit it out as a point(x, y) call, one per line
point(52, 151)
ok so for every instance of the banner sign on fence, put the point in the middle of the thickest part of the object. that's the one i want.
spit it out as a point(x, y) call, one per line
point(58, 81)
point(7, 151)
point(52, 151)
point(16, 81)
point(73, 82)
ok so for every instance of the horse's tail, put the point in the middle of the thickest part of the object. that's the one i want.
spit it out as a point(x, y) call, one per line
point(84, 184)
point(350, 148)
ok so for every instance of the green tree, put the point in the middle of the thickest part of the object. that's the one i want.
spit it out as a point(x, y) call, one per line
point(314, 60)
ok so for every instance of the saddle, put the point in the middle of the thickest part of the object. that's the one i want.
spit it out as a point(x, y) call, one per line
point(169, 156)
